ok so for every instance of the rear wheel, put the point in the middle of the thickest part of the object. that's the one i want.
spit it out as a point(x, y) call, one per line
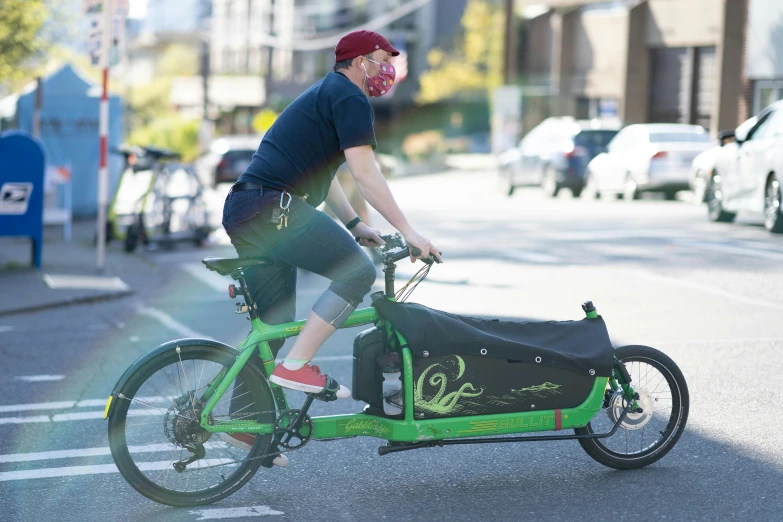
point(714, 197)
point(773, 213)
point(549, 184)
point(154, 428)
point(505, 182)
point(631, 189)
point(644, 437)
point(590, 190)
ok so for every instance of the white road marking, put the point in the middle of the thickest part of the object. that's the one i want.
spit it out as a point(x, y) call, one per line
point(731, 249)
point(39, 406)
point(65, 405)
point(90, 403)
point(84, 415)
point(169, 322)
point(39, 378)
point(91, 452)
point(221, 513)
point(208, 277)
point(707, 289)
point(70, 471)
point(7, 329)
point(63, 281)
point(24, 420)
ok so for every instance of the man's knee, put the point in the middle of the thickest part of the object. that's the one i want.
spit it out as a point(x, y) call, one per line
point(364, 276)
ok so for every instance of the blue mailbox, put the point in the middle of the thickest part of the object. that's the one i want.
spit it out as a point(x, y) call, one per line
point(21, 189)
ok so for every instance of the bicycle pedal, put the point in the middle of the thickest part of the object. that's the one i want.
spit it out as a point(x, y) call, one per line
point(326, 396)
point(329, 393)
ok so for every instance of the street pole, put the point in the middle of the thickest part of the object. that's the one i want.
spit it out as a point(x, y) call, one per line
point(103, 171)
point(37, 108)
point(509, 69)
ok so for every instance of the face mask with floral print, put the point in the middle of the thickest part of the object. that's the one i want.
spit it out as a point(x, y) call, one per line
point(379, 85)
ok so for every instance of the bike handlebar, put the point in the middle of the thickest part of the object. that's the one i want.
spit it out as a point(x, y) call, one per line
point(395, 240)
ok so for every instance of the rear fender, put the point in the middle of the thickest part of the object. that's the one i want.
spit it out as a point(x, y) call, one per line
point(163, 348)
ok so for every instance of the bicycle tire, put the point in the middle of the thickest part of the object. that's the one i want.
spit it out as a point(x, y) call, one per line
point(262, 398)
point(674, 427)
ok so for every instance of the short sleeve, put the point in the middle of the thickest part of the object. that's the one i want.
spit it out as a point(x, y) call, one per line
point(353, 120)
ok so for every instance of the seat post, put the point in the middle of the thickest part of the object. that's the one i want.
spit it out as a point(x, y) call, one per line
point(239, 275)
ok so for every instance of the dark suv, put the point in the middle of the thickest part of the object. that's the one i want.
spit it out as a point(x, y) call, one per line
point(555, 153)
point(227, 159)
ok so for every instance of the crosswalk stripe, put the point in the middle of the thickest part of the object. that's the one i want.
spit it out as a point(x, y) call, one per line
point(59, 405)
point(24, 420)
point(70, 471)
point(90, 452)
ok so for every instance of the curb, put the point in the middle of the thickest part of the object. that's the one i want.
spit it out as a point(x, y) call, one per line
point(68, 302)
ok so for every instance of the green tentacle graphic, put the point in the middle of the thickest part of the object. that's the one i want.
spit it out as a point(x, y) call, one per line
point(440, 404)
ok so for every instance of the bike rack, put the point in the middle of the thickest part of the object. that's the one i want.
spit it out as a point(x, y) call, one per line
point(405, 446)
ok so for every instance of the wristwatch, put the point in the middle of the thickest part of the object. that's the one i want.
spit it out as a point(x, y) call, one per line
point(355, 221)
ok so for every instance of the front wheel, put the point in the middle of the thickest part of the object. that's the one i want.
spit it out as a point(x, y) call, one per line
point(550, 185)
point(156, 438)
point(642, 438)
point(773, 212)
point(715, 199)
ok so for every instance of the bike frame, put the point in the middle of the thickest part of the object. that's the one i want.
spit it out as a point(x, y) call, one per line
point(406, 429)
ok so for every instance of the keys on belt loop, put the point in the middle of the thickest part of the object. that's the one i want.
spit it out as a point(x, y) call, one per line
point(284, 210)
point(287, 203)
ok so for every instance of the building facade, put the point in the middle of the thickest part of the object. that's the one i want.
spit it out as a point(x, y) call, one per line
point(707, 62)
point(290, 43)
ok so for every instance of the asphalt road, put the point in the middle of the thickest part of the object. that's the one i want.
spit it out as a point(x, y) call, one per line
point(709, 295)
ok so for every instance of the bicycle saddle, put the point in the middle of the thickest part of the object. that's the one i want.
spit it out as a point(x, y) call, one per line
point(225, 266)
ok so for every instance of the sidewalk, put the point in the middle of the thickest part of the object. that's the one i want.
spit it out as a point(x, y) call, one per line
point(68, 272)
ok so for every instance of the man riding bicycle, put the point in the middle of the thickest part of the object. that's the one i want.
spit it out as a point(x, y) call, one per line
point(271, 210)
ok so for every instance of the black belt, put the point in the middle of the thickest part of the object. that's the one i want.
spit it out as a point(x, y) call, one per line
point(240, 187)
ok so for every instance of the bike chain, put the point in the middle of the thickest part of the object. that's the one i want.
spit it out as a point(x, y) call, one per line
point(288, 412)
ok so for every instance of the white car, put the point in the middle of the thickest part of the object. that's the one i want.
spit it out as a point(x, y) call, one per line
point(653, 157)
point(748, 172)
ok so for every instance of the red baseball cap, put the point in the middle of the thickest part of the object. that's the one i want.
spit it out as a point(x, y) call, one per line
point(359, 43)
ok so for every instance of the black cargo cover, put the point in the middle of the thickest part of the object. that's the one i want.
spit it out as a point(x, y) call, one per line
point(579, 346)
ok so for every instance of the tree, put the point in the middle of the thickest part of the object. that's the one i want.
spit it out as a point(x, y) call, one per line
point(155, 121)
point(20, 39)
point(476, 64)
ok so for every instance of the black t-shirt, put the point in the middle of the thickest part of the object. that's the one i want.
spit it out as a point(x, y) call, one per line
point(304, 147)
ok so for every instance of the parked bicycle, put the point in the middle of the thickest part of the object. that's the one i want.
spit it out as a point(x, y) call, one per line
point(158, 200)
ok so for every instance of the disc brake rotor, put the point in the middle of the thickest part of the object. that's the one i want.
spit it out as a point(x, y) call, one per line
point(632, 421)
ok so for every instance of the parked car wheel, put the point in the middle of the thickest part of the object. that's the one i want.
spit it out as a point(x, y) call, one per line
point(699, 190)
point(715, 202)
point(670, 195)
point(550, 185)
point(504, 180)
point(773, 213)
point(631, 189)
point(590, 190)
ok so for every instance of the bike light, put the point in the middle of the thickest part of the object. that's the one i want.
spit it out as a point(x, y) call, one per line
point(232, 291)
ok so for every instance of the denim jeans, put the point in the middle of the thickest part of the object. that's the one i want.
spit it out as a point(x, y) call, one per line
point(312, 241)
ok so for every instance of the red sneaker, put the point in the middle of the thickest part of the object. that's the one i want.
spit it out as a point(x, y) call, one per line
point(308, 379)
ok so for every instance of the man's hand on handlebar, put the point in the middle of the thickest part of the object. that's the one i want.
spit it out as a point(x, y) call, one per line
point(421, 248)
point(367, 236)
